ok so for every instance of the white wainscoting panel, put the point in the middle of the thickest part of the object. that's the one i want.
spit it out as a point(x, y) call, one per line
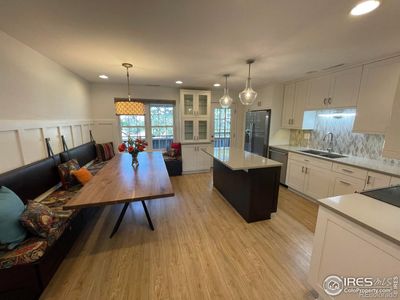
point(10, 150)
point(23, 141)
point(33, 145)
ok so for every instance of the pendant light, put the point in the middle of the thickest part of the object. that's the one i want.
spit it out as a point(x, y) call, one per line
point(127, 106)
point(248, 95)
point(226, 100)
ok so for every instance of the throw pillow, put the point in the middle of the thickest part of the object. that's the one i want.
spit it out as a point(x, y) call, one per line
point(11, 207)
point(177, 147)
point(67, 180)
point(105, 151)
point(83, 175)
point(38, 219)
point(171, 153)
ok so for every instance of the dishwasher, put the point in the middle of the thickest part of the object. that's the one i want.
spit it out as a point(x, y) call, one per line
point(281, 156)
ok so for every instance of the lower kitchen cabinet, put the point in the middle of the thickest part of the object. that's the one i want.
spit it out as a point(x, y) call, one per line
point(194, 159)
point(318, 182)
point(394, 181)
point(343, 184)
point(309, 179)
point(376, 181)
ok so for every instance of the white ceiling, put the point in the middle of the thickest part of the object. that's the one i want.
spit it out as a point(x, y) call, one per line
point(198, 41)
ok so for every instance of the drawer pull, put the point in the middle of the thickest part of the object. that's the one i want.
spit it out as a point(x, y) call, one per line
point(306, 160)
point(344, 182)
point(347, 171)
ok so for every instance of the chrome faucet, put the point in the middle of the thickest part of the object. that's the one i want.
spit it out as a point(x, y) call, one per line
point(330, 145)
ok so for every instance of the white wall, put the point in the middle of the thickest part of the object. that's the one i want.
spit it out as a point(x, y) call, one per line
point(38, 99)
point(33, 87)
point(102, 96)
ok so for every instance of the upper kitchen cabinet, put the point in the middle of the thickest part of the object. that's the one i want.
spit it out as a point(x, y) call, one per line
point(336, 90)
point(294, 102)
point(377, 92)
point(195, 103)
point(392, 136)
point(195, 115)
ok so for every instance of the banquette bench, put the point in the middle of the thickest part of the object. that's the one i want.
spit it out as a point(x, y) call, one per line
point(26, 270)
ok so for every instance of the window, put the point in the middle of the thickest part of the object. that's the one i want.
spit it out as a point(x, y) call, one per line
point(222, 127)
point(157, 128)
point(132, 126)
point(162, 125)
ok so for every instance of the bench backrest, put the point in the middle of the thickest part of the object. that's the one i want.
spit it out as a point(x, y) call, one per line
point(32, 180)
point(83, 154)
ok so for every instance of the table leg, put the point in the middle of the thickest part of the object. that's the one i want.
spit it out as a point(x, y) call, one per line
point(148, 215)
point(121, 216)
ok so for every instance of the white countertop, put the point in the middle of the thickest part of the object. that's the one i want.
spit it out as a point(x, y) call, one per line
point(238, 159)
point(365, 163)
point(377, 216)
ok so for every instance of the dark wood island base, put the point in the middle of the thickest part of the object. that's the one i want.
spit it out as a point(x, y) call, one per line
point(253, 192)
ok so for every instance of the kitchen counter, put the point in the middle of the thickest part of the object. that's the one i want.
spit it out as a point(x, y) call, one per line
point(249, 182)
point(238, 159)
point(380, 217)
point(365, 163)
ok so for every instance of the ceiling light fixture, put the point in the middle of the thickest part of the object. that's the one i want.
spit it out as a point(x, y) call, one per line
point(178, 82)
point(248, 95)
point(365, 7)
point(217, 84)
point(226, 100)
point(103, 76)
point(126, 106)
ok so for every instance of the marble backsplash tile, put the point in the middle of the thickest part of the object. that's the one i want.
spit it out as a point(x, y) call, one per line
point(345, 141)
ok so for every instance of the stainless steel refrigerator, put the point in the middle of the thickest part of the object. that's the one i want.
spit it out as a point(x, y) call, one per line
point(257, 132)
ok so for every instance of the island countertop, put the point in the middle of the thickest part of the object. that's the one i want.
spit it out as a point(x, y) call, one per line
point(377, 216)
point(238, 159)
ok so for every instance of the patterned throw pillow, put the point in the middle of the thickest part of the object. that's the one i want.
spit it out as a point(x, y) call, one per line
point(105, 151)
point(38, 219)
point(67, 180)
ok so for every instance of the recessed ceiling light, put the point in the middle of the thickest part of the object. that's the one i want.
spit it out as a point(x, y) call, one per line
point(178, 82)
point(103, 76)
point(365, 7)
point(217, 84)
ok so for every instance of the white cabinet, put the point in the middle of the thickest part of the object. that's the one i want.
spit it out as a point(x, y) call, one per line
point(392, 136)
point(377, 92)
point(336, 90)
point(294, 102)
point(394, 181)
point(344, 184)
point(318, 182)
point(344, 248)
point(195, 115)
point(376, 181)
point(309, 176)
point(194, 159)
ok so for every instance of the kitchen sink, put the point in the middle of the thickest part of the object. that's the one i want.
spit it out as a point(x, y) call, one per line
point(323, 154)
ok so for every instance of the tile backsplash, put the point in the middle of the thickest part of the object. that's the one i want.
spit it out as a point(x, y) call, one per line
point(345, 141)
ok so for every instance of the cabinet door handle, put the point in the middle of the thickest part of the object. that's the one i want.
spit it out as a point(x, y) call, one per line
point(329, 100)
point(302, 169)
point(344, 182)
point(306, 170)
point(368, 179)
point(324, 101)
point(347, 171)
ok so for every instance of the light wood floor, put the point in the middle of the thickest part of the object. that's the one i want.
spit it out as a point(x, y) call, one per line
point(201, 249)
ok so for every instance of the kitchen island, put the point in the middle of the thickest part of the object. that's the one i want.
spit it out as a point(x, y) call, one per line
point(249, 182)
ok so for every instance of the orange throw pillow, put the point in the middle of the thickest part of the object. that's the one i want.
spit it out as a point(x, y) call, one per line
point(83, 175)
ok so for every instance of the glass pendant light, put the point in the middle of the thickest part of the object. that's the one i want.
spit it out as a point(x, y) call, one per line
point(248, 95)
point(226, 100)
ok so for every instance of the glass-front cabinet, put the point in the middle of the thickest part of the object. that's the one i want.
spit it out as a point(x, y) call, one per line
point(195, 115)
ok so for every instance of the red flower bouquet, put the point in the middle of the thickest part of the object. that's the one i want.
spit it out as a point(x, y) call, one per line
point(133, 148)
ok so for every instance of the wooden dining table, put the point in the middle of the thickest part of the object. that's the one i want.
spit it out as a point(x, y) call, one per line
point(118, 182)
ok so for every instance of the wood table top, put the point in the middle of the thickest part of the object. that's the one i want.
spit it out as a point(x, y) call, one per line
point(119, 182)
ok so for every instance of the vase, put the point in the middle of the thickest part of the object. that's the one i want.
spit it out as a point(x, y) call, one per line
point(135, 161)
